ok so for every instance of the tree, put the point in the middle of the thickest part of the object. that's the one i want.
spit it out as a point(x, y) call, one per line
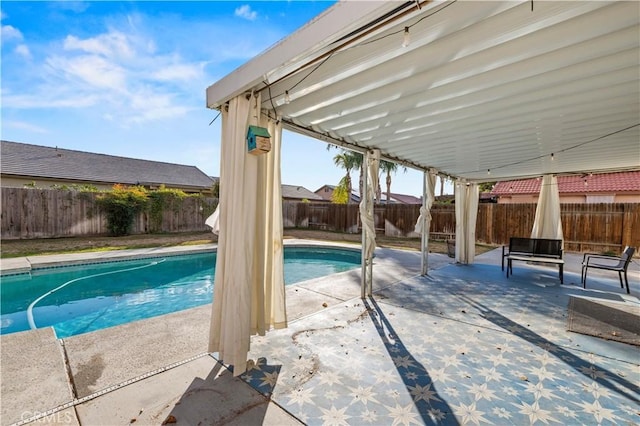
point(388, 167)
point(486, 186)
point(358, 160)
point(340, 194)
point(347, 161)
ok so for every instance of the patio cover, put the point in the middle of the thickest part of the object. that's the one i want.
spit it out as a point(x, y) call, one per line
point(484, 90)
point(481, 91)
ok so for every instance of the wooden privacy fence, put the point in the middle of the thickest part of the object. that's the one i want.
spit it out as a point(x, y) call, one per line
point(46, 213)
point(586, 227)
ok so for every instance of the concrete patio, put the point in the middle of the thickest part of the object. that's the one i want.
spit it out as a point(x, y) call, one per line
point(464, 345)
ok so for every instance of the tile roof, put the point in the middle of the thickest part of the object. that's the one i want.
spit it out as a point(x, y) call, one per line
point(395, 197)
point(299, 192)
point(597, 183)
point(405, 198)
point(34, 161)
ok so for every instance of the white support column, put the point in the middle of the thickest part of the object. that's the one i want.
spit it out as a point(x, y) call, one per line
point(424, 234)
point(367, 217)
point(363, 205)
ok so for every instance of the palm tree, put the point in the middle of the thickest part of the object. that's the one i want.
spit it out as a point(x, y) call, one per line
point(388, 167)
point(347, 161)
point(358, 160)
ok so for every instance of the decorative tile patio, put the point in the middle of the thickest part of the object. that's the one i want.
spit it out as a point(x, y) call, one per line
point(462, 346)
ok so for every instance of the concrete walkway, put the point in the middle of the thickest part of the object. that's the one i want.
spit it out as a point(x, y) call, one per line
point(464, 345)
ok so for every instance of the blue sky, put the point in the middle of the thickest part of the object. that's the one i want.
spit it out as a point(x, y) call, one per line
point(129, 79)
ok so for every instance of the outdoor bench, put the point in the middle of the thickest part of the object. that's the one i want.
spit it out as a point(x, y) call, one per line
point(533, 250)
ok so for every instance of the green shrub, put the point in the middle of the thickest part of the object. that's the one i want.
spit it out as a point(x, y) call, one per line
point(121, 206)
point(161, 200)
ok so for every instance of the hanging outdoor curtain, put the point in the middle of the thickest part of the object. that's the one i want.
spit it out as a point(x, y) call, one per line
point(213, 221)
point(547, 223)
point(249, 284)
point(424, 219)
point(372, 160)
point(269, 308)
point(466, 196)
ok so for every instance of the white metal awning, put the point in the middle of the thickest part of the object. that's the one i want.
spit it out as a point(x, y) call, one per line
point(483, 90)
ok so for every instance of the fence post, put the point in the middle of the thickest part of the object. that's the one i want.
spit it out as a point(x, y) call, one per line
point(488, 212)
point(627, 221)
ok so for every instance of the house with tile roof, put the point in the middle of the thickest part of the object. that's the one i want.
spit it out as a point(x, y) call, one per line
point(402, 198)
point(299, 193)
point(23, 164)
point(326, 192)
point(620, 187)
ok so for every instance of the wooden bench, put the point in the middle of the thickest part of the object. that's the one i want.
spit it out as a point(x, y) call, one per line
point(533, 250)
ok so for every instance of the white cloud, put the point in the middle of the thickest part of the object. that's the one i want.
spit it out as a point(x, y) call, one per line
point(97, 72)
point(23, 50)
point(245, 12)
point(111, 45)
point(74, 6)
point(9, 32)
point(136, 70)
point(149, 106)
point(46, 99)
point(22, 125)
point(179, 72)
point(131, 82)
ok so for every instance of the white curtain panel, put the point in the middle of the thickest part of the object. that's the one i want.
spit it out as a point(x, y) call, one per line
point(424, 219)
point(423, 224)
point(249, 284)
point(466, 196)
point(366, 204)
point(213, 221)
point(269, 308)
point(547, 223)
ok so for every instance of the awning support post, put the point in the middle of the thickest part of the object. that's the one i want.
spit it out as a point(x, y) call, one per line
point(363, 205)
point(424, 234)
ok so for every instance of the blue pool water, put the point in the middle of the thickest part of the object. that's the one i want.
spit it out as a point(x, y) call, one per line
point(107, 294)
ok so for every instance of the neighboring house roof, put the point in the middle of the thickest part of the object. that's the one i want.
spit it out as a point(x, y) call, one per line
point(299, 193)
point(405, 199)
point(34, 161)
point(354, 196)
point(597, 183)
point(395, 198)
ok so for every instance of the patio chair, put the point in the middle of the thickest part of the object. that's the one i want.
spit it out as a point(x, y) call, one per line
point(608, 263)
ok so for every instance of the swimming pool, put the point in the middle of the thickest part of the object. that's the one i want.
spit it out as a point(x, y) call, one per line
point(84, 298)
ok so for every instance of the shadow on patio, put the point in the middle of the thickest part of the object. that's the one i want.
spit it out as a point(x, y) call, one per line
point(464, 345)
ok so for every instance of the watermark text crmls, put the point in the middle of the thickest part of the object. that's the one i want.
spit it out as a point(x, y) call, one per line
point(59, 417)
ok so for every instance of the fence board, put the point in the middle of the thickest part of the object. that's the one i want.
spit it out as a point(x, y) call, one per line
point(586, 227)
point(38, 213)
point(46, 213)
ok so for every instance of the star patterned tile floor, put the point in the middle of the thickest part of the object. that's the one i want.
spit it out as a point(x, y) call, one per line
point(463, 346)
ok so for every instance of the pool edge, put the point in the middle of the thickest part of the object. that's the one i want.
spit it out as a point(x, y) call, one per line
point(22, 265)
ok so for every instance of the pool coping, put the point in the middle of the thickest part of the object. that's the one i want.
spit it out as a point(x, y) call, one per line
point(24, 265)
